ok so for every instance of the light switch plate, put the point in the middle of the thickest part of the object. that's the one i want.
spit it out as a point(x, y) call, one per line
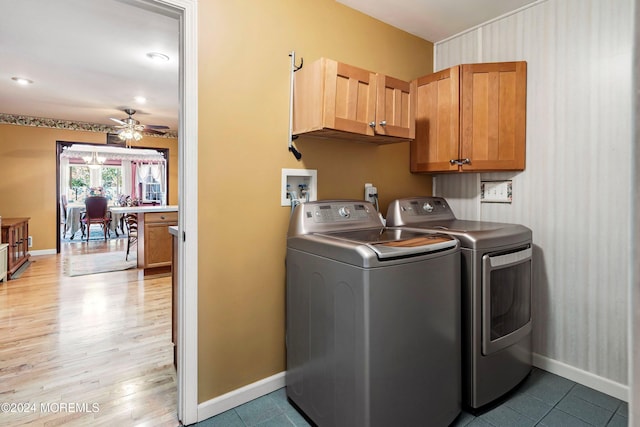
point(495, 191)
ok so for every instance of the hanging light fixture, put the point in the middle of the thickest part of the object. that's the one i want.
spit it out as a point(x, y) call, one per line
point(94, 161)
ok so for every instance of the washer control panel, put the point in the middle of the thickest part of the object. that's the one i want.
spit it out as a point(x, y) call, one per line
point(339, 212)
point(324, 216)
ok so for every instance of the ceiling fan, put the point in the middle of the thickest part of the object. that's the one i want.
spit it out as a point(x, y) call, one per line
point(130, 128)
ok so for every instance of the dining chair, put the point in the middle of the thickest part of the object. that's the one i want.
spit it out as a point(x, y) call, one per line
point(131, 222)
point(96, 212)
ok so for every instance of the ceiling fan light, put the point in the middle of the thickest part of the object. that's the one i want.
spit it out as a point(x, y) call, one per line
point(131, 129)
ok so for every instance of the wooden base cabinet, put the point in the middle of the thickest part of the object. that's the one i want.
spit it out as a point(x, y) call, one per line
point(15, 233)
point(336, 100)
point(155, 244)
point(471, 118)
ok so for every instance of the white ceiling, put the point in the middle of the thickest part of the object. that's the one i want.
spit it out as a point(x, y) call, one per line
point(435, 20)
point(87, 58)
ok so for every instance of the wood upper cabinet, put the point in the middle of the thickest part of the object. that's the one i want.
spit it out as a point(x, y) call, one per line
point(471, 118)
point(437, 122)
point(332, 99)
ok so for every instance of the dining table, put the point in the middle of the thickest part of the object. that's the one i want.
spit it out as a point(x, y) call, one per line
point(74, 213)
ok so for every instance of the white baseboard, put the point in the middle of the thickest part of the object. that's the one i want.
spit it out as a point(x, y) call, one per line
point(43, 252)
point(604, 385)
point(267, 385)
point(240, 396)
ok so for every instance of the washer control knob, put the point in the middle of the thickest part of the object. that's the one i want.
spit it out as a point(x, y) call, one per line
point(344, 212)
point(428, 207)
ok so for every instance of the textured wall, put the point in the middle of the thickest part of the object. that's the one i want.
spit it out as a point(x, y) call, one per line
point(574, 193)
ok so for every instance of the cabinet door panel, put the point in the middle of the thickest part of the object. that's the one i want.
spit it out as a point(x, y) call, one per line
point(396, 104)
point(493, 115)
point(349, 98)
point(158, 245)
point(437, 122)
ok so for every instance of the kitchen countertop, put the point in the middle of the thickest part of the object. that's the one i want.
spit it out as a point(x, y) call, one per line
point(144, 209)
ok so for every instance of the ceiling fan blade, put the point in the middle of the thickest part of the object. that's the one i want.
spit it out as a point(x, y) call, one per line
point(155, 127)
point(117, 120)
point(153, 131)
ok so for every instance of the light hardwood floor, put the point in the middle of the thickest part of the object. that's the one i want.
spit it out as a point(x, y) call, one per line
point(86, 351)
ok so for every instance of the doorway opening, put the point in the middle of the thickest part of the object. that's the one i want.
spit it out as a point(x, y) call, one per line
point(136, 176)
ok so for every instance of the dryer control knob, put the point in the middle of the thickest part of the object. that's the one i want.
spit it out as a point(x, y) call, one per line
point(344, 212)
point(427, 207)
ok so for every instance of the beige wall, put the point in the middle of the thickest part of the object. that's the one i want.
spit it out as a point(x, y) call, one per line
point(243, 123)
point(28, 183)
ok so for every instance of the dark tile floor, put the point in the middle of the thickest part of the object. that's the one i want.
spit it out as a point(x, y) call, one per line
point(543, 399)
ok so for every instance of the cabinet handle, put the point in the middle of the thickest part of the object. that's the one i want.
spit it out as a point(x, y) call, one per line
point(383, 123)
point(162, 217)
point(460, 162)
point(372, 124)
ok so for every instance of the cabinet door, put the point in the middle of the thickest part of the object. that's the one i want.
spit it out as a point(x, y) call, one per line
point(17, 243)
point(349, 99)
point(493, 115)
point(395, 107)
point(158, 245)
point(437, 134)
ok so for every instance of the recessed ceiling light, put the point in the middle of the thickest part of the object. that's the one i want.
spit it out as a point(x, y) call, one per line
point(140, 99)
point(22, 81)
point(157, 56)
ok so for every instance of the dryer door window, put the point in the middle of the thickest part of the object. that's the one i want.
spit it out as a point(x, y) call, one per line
point(506, 299)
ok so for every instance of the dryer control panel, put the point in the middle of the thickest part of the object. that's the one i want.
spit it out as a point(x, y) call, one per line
point(418, 209)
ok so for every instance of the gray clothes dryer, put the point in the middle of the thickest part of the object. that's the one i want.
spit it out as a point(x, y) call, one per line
point(373, 319)
point(496, 295)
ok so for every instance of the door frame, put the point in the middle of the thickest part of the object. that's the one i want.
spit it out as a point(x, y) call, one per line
point(187, 333)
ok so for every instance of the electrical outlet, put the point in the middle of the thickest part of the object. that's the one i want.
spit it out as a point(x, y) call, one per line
point(370, 193)
point(30, 241)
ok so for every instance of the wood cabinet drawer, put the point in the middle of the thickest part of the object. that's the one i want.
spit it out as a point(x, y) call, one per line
point(161, 217)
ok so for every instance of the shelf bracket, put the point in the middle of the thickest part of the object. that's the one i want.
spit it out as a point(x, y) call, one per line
point(292, 70)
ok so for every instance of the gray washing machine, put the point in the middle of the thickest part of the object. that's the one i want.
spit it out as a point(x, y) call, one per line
point(373, 319)
point(496, 295)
